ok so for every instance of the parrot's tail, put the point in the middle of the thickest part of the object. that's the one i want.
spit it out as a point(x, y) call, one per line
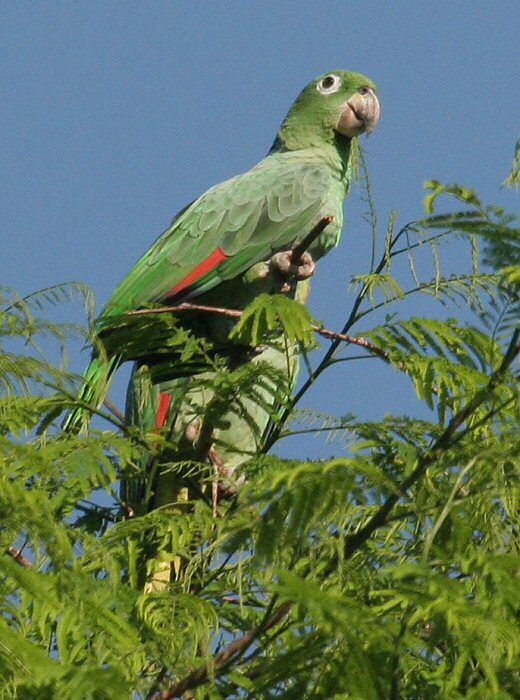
point(97, 380)
point(154, 409)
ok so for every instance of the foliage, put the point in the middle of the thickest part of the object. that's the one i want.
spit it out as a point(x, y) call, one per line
point(390, 571)
point(513, 179)
point(268, 313)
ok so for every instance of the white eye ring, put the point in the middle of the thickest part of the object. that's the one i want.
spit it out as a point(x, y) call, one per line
point(329, 84)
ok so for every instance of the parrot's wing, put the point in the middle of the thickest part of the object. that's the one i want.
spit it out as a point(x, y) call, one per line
point(227, 230)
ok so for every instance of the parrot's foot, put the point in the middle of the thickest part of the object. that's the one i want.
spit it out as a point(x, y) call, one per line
point(284, 265)
point(192, 430)
point(226, 485)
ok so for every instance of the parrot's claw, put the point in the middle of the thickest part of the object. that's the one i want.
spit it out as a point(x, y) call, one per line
point(283, 264)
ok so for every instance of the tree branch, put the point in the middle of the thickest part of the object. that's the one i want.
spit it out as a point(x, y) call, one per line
point(114, 410)
point(443, 442)
point(327, 358)
point(352, 543)
point(236, 313)
point(236, 648)
point(19, 557)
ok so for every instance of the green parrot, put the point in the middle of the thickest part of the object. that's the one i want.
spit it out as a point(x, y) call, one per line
point(249, 222)
point(229, 245)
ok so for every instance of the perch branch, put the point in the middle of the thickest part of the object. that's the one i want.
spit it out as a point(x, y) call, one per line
point(309, 239)
point(236, 313)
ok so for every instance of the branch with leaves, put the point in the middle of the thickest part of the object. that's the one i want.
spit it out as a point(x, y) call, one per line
point(225, 657)
point(389, 570)
point(454, 432)
point(236, 313)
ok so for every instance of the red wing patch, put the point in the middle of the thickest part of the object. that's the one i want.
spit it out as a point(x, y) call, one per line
point(213, 259)
point(162, 412)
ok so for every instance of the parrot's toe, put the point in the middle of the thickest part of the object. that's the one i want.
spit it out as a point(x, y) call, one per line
point(289, 270)
point(192, 430)
point(226, 483)
point(305, 266)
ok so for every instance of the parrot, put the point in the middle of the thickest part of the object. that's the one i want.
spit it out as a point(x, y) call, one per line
point(229, 245)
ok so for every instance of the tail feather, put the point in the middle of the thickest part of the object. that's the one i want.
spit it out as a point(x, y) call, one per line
point(97, 380)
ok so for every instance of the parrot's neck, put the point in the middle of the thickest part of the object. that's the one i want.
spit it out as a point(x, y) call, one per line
point(343, 147)
point(336, 152)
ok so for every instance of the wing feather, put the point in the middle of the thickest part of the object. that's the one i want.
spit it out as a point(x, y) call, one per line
point(246, 218)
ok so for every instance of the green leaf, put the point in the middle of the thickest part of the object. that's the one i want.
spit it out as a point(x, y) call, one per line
point(269, 315)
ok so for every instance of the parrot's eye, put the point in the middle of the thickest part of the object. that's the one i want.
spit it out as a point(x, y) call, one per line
point(329, 84)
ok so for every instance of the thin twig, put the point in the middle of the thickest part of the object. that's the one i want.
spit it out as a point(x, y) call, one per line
point(114, 410)
point(185, 306)
point(309, 239)
point(353, 340)
point(19, 557)
point(237, 600)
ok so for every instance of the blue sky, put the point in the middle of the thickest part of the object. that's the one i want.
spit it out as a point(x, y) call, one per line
point(116, 114)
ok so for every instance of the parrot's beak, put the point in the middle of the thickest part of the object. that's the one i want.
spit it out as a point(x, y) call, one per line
point(360, 113)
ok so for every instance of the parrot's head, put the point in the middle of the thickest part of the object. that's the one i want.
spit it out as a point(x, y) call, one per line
point(337, 103)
